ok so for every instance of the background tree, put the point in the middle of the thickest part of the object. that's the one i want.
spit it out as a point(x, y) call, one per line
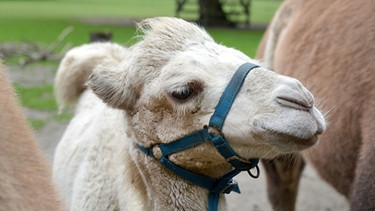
point(211, 13)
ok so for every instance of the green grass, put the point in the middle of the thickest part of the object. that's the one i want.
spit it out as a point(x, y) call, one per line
point(43, 21)
point(63, 117)
point(38, 97)
point(261, 10)
point(70, 9)
point(37, 123)
point(47, 31)
point(243, 40)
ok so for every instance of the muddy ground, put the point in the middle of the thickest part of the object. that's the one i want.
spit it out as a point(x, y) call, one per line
point(314, 194)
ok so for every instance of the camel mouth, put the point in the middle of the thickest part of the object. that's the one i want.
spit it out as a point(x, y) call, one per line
point(295, 129)
point(302, 143)
point(284, 140)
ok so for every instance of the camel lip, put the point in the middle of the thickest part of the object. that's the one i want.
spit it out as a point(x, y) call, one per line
point(282, 135)
point(301, 142)
point(283, 139)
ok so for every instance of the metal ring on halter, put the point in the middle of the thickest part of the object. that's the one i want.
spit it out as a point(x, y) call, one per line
point(256, 175)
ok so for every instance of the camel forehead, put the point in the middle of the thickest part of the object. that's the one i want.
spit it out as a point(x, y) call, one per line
point(168, 37)
point(173, 48)
point(172, 30)
point(203, 63)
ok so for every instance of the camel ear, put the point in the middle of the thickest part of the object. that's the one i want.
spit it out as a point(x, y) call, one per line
point(113, 87)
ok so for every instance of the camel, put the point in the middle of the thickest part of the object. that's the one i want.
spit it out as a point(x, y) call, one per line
point(25, 177)
point(328, 45)
point(137, 108)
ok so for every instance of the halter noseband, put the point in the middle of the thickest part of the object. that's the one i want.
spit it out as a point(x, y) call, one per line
point(225, 184)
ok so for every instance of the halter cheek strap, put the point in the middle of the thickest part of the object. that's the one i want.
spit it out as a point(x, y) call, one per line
point(224, 184)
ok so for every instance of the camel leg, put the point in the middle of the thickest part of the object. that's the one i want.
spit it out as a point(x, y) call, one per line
point(363, 190)
point(283, 175)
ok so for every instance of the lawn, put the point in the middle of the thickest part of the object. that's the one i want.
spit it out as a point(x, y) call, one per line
point(42, 22)
point(261, 10)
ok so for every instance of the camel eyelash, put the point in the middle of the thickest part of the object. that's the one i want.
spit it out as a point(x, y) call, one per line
point(185, 93)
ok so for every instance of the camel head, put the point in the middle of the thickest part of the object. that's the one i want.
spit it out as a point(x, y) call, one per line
point(170, 82)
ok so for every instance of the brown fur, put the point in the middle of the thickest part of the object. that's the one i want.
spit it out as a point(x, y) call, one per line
point(329, 45)
point(25, 178)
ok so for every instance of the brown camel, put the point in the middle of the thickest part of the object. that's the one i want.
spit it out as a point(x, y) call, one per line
point(330, 46)
point(25, 178)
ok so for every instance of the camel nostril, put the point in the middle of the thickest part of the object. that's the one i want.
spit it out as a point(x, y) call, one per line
point(294, 95)
point(319, 131)
point(300, 104)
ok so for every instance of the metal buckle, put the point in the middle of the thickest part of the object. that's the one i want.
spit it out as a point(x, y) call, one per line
point(156, 151)
point(230, 186)
point(213, 131)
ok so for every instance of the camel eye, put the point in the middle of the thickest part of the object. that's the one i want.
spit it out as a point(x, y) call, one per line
point(183, 94)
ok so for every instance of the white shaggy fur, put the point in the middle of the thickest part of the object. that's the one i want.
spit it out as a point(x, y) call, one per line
point(131, 100)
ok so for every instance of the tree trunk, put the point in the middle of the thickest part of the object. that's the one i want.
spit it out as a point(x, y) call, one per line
point(211, 13)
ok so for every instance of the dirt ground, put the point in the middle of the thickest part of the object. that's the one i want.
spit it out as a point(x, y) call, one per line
point(314, 194)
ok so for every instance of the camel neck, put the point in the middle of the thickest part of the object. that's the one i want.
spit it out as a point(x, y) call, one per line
point(168, 191)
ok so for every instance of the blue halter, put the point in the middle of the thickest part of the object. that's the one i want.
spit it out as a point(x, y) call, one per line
point(225, 184)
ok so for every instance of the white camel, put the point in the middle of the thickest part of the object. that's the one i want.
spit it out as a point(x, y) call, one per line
point(159, 90)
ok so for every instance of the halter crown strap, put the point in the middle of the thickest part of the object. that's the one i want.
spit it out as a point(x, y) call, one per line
point(221, 112)
point(229, 95)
